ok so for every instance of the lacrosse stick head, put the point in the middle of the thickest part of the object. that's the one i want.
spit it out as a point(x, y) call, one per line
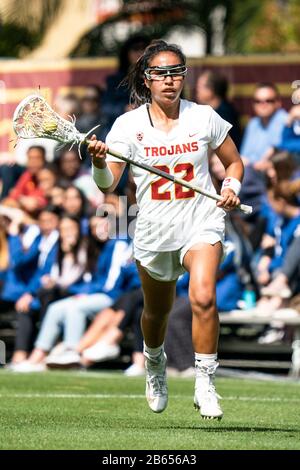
point(34, 118)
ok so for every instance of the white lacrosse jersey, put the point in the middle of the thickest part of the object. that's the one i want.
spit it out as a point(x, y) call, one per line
point(169, 214)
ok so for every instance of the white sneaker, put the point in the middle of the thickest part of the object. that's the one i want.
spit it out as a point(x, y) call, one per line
point(156, 383)
point(67, 359)
point(58, 349)
point(206, 397)
point(134, 371)
point(271, 336)
point(101, 351)
point(26, 366)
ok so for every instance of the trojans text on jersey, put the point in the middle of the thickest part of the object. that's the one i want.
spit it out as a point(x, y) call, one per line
point(171, 150)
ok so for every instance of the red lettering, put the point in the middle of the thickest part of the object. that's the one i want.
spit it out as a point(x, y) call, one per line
point(171, 150)
point(186, 147)
point(195, 146)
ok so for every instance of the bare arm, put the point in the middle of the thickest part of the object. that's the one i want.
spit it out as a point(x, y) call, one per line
point(98, 150)
point(230, 157)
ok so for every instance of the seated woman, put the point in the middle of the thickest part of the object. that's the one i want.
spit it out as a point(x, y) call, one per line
point(101, 341)
point(95, 291)
point(63, 267)
point(283, 221)
point(22, 242)
point(76, 204)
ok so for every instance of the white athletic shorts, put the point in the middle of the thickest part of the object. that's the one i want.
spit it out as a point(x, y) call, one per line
point(168, 265)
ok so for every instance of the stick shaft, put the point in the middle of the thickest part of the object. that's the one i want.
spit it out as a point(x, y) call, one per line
point(243, 207)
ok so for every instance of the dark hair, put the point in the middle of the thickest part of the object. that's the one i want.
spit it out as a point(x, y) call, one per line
point(136, 41)
point(268, 85)
point(50, 167)
point(50, 208)
point(39, 148)
point(284, 164)
point(83, 198)
point(94, 248)
point(79, 243)
point(60, 151)
point(217, 83)
point(139, 93)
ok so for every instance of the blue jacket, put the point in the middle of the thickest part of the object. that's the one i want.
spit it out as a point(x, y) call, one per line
point(107, 270)
point(290, 141)
point(283, 230)
point(229, 288)
point(21, 268)
point(128, 280)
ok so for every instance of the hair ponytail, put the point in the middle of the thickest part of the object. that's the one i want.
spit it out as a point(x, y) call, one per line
point(139, 93)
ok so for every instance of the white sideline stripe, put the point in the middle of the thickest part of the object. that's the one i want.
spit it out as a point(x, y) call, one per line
point(124, 396)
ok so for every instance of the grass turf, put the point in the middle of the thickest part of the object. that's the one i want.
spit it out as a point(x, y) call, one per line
point(67, 410)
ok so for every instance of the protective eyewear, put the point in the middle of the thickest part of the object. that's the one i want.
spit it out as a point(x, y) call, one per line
point(163, 71)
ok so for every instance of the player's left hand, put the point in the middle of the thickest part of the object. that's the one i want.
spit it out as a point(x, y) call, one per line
point(230, 200)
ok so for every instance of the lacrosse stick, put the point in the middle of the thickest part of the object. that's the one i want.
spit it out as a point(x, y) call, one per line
point(34, 118)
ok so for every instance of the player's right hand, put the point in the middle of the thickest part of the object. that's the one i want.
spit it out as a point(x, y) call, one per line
point(97, 149)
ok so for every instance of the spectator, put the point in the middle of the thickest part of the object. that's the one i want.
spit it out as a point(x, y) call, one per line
point(262, 135)
point(290, 139)
point(57, 195)
point(212, 90)
point(101, 341)
point(43, 252)
point(22, 242)
point(263, 131)
point(91, 116)
point(283, 221)
point(46, 179)
point(70, 171)
point(116, 98)
point(67, 105)
point(76, 204)
point(4, 253)
point(282, 291)
point(66, 268)
point(68, 165)
point(9, 175)
point(94, 292)
point(26, 194)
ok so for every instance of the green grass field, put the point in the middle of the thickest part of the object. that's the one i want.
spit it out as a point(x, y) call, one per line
point(77, 410)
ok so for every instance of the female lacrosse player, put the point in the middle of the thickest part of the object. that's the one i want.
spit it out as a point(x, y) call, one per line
point(176, 228)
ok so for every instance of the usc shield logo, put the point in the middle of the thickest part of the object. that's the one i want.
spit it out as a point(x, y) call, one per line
point(140, 136)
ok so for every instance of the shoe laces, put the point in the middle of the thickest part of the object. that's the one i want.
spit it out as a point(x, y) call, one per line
point(212, 394)
point(157, 376)
point(205, 386)
point(158, 385)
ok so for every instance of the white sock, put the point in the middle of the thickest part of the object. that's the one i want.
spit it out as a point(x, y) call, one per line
point(153, 353)
point(206, 361)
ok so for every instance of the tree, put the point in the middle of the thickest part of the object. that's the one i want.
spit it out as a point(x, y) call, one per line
point(154, 18)
point(20, 33)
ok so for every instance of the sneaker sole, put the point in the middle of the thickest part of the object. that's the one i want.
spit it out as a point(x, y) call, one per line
point(70, 365)
point(218, 418)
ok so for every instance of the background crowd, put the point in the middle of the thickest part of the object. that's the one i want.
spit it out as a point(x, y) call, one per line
point(75, 290)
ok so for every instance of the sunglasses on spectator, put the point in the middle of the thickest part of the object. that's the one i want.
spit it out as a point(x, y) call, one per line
point(268, 100)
